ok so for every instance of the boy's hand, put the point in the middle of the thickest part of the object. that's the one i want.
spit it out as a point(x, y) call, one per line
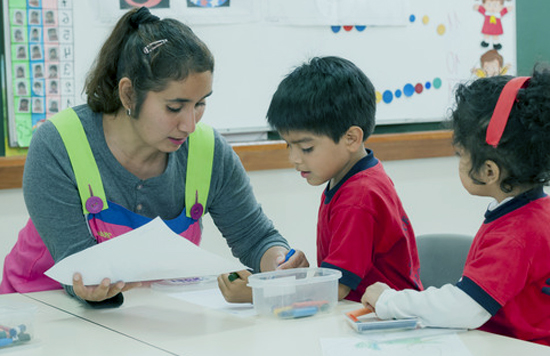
point(546, 290)
point(297, 260)
point(373, 292)
point(235, 290)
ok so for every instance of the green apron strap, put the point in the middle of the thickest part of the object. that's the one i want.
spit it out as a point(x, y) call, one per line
point(84, 165)
point(199, 167)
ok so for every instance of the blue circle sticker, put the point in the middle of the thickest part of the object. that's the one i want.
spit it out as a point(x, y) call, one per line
point(387, 96)
point(408, 89)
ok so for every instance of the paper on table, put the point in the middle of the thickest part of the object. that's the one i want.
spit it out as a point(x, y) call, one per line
point(212, 298)
point(151, 252)
point(448, 345)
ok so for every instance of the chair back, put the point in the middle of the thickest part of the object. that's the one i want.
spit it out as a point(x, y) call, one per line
point(442, 257)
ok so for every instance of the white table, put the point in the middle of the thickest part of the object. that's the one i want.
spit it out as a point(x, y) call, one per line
point(60, 333)
point(149, 317)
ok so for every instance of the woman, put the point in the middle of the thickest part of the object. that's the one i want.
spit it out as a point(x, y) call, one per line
point(146, 94)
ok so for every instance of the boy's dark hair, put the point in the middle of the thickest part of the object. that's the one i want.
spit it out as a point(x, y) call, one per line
point(325, 96)
point(523, 152)
point(122, 55)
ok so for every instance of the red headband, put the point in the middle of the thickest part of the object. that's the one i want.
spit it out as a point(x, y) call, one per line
point(502, 109)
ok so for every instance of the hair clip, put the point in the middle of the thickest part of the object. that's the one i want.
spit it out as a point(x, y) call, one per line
point(153, 45)
point(506, 100)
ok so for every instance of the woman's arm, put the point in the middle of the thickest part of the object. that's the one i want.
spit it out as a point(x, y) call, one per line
point(235, 211)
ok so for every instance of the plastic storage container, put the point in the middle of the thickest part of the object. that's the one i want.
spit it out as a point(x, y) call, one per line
point(295, 293)
point(16, 324)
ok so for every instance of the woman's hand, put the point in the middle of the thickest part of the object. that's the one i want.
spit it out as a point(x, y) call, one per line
point(373, 292)
point(104, 290)
point(235, 290)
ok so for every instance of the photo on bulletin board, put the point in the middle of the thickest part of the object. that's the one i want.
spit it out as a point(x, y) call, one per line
point(23, 106)
point(216, 12)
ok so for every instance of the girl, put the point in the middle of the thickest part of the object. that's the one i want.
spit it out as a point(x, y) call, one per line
point(502, 135)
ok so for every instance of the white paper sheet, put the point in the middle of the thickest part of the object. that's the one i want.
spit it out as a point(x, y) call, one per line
point(338, 12)
point(151, 252)
point(448, 345)
point(213, 299)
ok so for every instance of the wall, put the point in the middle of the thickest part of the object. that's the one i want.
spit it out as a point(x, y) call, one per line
point(532, 25)
point(416, 62)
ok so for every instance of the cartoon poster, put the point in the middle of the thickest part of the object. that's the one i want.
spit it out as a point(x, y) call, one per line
point(40, 64)
point(491, 61)
point(492, 12)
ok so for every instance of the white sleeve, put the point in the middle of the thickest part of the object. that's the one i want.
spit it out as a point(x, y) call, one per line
point(447, 306)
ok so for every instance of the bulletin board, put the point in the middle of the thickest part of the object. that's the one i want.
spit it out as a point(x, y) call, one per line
point(38, 36)
point(414, 51)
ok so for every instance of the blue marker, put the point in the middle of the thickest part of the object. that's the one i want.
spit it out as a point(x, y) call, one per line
point(298, 312)
point(17, 330)
point(288, 255)
point(6, 342)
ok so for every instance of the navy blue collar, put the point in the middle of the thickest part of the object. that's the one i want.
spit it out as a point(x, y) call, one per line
point(364, 163)
point(516, 203)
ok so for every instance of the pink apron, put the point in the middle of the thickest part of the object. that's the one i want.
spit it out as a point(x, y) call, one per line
point(25, 265)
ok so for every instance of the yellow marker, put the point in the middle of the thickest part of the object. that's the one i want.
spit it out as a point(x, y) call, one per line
point(425, 19)
point(378, 97)
point(281, 309)
point(441, 29)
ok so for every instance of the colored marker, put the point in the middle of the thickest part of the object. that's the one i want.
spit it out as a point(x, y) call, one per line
point(17, 330)
point(288, 255)
point(6, 342)
point(356, 313)
point(279, 310)
point(23, 337)
point(298, 312)
point(321, 304)
point(233, 276)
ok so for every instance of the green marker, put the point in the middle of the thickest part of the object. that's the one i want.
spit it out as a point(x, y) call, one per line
point(233, 276)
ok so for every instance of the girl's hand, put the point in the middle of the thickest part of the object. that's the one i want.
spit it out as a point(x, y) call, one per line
point(104, 290)
point(235, 290)
point(373, 292)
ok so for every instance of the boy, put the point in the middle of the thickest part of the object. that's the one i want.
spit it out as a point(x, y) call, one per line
point(325, 111)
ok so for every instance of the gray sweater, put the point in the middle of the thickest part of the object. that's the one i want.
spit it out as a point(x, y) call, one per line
point(53, 202)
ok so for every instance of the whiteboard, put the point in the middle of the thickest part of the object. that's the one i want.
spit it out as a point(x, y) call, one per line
point(438, 41)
